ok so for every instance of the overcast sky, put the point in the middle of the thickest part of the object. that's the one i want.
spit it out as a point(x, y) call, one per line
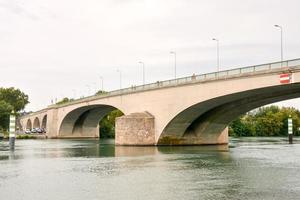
point(56, 48)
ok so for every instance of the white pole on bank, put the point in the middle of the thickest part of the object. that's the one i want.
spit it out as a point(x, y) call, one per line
point(290, 129)
point(12, 131)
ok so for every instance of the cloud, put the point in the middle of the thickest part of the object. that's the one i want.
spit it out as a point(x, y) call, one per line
point(18, 8)
point(57, 46)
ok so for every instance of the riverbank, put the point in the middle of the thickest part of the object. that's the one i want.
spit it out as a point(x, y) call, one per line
point(26, 136)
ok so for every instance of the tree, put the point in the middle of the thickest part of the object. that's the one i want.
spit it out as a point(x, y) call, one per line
point(64, 100)
point(11, 99)
point(242, 126)
point(268, 125)
point(107, 124)
point(266, 121)
point(17, 99)
point(5, 110)
point(100, 92)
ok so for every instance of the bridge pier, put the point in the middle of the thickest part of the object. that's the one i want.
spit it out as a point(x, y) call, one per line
point(135, 129)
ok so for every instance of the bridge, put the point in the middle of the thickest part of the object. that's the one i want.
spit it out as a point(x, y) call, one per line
point(186, 111)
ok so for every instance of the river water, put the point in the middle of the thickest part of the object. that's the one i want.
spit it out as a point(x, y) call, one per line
point(250, 168)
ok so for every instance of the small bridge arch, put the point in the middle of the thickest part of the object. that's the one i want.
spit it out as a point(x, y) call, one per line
point(29, 124)
point(36, 123)
point(44, 122)
point(84, 121)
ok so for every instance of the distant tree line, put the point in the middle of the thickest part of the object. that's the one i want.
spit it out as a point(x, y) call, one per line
point(265, 121)
point(11, 100)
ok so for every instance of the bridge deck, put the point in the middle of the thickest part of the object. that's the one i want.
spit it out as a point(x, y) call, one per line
point(237, 72)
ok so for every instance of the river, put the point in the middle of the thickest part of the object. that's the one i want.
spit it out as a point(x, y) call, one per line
point(250, 168)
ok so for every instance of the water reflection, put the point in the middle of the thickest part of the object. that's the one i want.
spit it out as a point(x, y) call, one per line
point(193, 149)
point(131, 151)
point(250, 168)
point(96, 148)
point(105, 148)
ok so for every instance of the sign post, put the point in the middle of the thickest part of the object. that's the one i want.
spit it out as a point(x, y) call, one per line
point(12, 131)
point(290, 129)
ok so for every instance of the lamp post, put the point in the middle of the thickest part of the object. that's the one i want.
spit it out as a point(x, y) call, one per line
point(89, 90)
point(281, 40)
point(218, 55)
point(101, 81)
point(120, 72)
point(95, 87)
point(74, 93)
point(143, 65)
point(174, 52)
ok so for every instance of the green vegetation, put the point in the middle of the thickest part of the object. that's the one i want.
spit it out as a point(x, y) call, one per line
point(5, 110)
point(100, 92)
point(17, 99)
point(11, 100)
point(21, 137)
point(265, 121)
point(5, 133)
point(26, 137)
point(64, 100)
point(107, 124)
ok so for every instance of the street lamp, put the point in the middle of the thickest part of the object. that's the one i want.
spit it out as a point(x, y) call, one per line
point(174, 52)
point(281, 42)
point(218, 55)
point(119, 71)
point(74, 93)
point(89, 89)
point(101, 80)
point(143, 65)
point(95, 87)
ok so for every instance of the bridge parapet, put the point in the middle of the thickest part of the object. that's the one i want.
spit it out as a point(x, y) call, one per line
point(267, 68)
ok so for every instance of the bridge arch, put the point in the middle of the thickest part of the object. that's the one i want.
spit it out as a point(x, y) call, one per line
point(84, 121)
point(44, 122)
point(29, 124)
point(205, 121)
point(36, 123)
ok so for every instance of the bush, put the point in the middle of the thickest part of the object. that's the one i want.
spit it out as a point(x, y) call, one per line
point(265, 121)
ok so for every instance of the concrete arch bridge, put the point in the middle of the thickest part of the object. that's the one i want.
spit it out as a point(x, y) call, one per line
point(186, 111)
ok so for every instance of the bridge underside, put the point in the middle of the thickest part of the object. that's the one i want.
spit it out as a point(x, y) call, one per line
point(84, 122)
point(206, 122)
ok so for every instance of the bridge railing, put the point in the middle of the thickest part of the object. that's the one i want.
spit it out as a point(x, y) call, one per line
point(213, 75)
point(196, 78)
